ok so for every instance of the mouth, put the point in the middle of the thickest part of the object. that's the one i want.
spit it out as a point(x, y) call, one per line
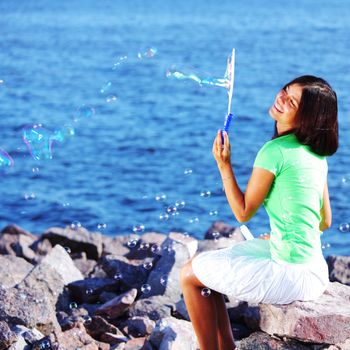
point(278, 108)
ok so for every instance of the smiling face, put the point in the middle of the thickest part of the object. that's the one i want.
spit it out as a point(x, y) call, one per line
point(285, 107)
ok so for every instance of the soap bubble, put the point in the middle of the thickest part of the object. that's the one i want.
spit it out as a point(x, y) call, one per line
point(346, 180)
point(163, 217)
point(111, 98)
point(155, 249)
point(160, 197)
point(144, 246)
point(63, 134)
point(205, 292)
point(89, 291)
point(39, 141)
point(171, 210)
point(213, 213)
point(119, 61)
point(344, 227)
point(84, 112)
point(87, 319)
point(215, 235)
point(118, 276)
point(193, 220)
point(29, 196)
point(106, 87)
point(188, 73)
point(44, 344)
point(164, 280)
point(147, 265)
point(180, 204)
point(132, 243)
point(101, 226)
point(145, 288)
point(6, 160)
point(73, 305)
point(35, 170)
point(147, 53)
point(1, 81)
point(138, 228)
point(188, 171)
point(205, 194)
point(75, 225)
point(326, 246)
point(68, 250)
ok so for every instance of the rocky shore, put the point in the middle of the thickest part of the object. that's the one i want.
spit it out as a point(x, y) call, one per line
point(74, 289)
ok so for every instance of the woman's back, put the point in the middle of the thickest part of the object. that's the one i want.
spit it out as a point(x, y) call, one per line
point(295, 198)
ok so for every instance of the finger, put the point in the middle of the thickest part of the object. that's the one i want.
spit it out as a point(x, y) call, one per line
point(218, 141)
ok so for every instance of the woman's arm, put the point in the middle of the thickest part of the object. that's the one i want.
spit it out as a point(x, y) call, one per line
point(326, 211)
point(243, 205)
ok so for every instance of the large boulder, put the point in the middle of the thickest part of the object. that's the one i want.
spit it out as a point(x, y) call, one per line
point(32, 302)
point(165, 277)
point(339, 269)
point(13, 270)
point(325, 320)
point(16, 241)
point(173, 334)
point(127, 273)
point(77, 240)
point(7, 337)
point(118, 305)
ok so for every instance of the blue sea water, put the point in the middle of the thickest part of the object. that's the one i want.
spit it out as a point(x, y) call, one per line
point(55, 56)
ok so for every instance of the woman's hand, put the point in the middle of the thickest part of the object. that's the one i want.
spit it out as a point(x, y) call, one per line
point(222, 153)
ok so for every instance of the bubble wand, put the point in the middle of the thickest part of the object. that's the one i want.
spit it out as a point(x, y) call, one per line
point(230, 72)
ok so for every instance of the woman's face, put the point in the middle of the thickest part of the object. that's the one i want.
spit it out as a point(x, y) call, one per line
point(286, 104)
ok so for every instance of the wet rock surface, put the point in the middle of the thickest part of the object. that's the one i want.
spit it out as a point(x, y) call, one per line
point(75, 289)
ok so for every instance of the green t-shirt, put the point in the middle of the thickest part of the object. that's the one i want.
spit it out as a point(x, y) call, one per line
point(295, 199)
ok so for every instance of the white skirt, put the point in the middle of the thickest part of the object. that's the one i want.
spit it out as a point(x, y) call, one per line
point(246, 272)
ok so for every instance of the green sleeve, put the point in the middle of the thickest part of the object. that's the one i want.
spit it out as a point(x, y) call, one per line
point(270, 158)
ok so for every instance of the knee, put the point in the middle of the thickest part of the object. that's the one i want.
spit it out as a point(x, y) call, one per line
point(186, 273)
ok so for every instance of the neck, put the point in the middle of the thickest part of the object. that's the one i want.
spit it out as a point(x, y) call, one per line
point(283, 128)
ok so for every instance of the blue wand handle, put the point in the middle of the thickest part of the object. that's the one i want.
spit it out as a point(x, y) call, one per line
point(226, 125)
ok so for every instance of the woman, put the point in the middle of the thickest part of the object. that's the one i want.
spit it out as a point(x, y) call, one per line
point(290, 177)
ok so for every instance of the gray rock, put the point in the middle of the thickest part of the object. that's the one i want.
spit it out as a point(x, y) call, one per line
point(219, 243)
point(89, 289)
point(325, 320)
point(116, 245)
point(85, 266)
point(99, 326)
point(137, 344)
point(155, 308)
point(133, 274)
point(29, 335)
point(75, 338)
point(262, 341)
point(7, 337)
point(181, 310)
point(140, 326)
point(339, 269)
point(28, 307)
point(224, 230)
point(171, 333)
point(13, 270)
point(20, 344)
point(145, 246)
point(79, 240)
point(119, 305)
point(165, 277)
point(32, 302)
point(41, 247)
point(16, 241)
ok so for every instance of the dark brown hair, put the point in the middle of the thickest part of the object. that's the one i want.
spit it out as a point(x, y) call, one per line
point(317, 115)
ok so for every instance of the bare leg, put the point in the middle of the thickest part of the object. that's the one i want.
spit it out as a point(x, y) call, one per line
point(224, 334)
point(203, 313)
